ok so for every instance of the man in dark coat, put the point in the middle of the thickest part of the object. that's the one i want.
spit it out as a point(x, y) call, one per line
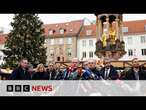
point(21, 72)
point(136, 72)
point(108, 72)
point(51, 71)
point(91, 72)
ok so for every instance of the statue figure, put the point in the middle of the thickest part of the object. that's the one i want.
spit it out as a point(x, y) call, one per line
point(118, 44)
point(122, 45)
point(112, 35)
point(99, 45)
point(108, 46)
point(104, 40)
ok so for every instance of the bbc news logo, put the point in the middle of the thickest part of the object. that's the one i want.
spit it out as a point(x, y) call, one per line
point(28, 88)
point(18, 88)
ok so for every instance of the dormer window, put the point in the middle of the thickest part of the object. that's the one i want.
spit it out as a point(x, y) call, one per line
point(66, 24)
point(88, 32)
point(50, 32)
point(62, 31)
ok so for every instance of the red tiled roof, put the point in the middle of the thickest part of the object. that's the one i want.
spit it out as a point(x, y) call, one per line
point(137, 26)
point(86, 28)
point(72, 28)
point(134, 27)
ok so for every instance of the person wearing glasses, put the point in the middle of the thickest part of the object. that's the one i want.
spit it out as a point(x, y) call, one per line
point(21, 72)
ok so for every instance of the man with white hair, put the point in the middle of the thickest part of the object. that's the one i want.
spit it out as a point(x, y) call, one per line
point(91, 72)
point(71, 72)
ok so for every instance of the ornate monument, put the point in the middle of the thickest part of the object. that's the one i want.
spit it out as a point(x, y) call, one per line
point(109, 36)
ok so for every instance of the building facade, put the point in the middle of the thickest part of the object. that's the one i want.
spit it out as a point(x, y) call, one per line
point(135, 39)
point(61, 40)
point(86, 42)
point(65, 41)
point(134, 36)
point(2, 43)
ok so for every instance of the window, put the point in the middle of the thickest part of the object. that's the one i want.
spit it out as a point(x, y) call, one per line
point(125, 29)
point(88, 32)
point(51, 52)
point(58, 58)
point(62, 58)
point(69, 40)
point(69, 52)
point(90, 43)
point(143, 52)
point(142, 39)
point(50, 32)
point(51, 41)
point(84, 43)
point(130, 52)
point(84, 54)
point(61, 31)
point(61, 41)
point(130, 40)
point(91, 54)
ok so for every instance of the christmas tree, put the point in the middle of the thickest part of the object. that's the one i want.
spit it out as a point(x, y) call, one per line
point(25, 40)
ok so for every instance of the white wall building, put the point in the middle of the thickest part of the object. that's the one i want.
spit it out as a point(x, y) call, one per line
point(135, 40)
point(86, 48)
point(86, 43)
point(134, 37)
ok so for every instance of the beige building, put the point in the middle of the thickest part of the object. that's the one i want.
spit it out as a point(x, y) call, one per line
point(61, 40)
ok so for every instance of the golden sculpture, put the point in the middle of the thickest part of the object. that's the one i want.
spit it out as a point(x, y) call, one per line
point(112, 35)
point(104, 39)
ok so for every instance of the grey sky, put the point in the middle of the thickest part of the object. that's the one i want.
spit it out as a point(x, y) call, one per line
point(5, 19)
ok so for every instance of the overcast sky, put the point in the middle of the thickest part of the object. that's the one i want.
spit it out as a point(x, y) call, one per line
point(5, 19)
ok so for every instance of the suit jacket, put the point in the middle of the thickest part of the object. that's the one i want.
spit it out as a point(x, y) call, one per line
point(113, 74)
point(40, 76)
point(52, 74)
point(131, 76)
point(20, 74)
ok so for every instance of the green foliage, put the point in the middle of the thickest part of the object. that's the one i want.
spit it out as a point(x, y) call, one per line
point(26, 39)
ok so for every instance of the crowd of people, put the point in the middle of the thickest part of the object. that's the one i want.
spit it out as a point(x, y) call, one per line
point(88, 71)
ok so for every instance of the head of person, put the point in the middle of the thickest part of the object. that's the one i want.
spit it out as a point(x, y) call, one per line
point(91, 63)
point(40, 68)
point(75, 62)
point(85, 64)
point(107, 62)
point(23, 63)
point(51, 66)
point(57, 66)
point(30, 68)
point(135, 63)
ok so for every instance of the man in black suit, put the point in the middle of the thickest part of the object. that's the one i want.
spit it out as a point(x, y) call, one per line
point(136, 72)
point(108, 72)
point(21, 72)
point(51, 71)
